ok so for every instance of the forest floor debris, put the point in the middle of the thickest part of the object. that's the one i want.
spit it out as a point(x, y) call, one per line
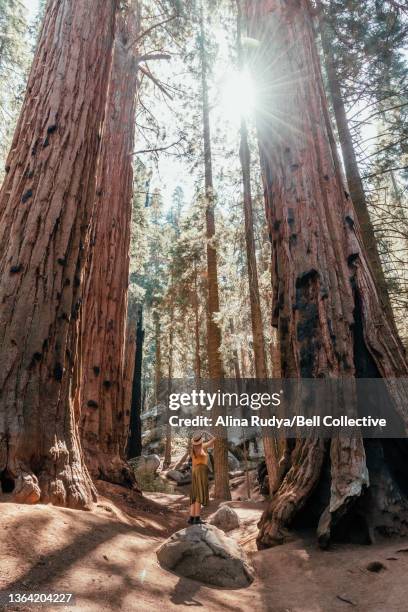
point(107, 558)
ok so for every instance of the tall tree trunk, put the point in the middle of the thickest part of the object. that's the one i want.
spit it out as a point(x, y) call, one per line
point(235, 358)
point(254, 298)
point(158, 359)
point(215, 367)
point(261, 372)
point(135, 434)
point(167, 448)
point(2, 47)
point(353, 176)
point(130, 353)
point(197, 349)
point(329, 317)
point(101, 390)
point(395, 189)
point(244, 362)
point(45, 208)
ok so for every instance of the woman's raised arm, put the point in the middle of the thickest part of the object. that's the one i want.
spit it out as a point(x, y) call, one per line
point(210, 443)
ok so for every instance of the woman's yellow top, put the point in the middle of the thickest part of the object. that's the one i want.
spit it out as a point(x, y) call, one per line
point(200, 459)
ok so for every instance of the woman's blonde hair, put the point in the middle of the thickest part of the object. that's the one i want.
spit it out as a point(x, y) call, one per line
point(197, 448)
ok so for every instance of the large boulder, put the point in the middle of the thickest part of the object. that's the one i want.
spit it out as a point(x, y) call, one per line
point(225, 518)
point(147, 463)
point(233, 463)
point(181, 478)
point(236, 474)
point(206, 554)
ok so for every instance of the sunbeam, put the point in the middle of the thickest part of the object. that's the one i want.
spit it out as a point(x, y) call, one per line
point(238, 96)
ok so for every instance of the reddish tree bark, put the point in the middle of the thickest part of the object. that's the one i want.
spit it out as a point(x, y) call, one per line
point(158, 373)
point(215, 366)
point(104, 429)
point(167, 445)
point(197, 354)
point(235, 358)
point(45, 206)
point(329, 317)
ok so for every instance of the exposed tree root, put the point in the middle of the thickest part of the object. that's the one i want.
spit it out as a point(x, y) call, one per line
point(349, 475)
point(298, 484)
point(26, 489)
point(66, 489)
point(368, 492)
point(111, 468)
point(60, 478)
point(385, 503)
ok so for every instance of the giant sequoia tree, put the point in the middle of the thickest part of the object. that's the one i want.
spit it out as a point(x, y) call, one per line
point(45, 206)
point(328, 313)
point(104, 416)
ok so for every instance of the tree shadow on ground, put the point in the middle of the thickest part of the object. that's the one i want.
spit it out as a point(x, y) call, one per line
point(184, 592)
point(103, 555)
point(23, 543)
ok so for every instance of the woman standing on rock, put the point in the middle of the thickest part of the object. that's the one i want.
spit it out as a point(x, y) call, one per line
point(199, 486)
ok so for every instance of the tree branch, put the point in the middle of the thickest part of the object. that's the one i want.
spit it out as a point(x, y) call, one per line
point(385, 171)
point(382, 111)
point(386, 148)
point(157, 149)
point(398, 5)
point(153, 56)
point(146, 32)
point(147, 73)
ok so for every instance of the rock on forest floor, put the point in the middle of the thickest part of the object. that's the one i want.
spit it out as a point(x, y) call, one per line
point(107, 559)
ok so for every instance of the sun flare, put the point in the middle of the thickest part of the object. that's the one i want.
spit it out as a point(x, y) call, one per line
point(238, 96)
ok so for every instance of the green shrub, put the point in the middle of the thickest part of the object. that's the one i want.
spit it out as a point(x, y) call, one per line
point(151, 483)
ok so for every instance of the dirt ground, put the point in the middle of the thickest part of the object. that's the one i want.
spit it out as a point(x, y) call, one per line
point(107, 559)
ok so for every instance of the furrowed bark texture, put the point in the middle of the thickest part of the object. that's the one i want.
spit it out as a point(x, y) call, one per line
point(215, 366)
point(329, 317)
point(45, 206)
point(104, 427)
point(354, 181)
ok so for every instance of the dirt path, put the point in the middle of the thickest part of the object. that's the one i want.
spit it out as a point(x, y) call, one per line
point(107, 558)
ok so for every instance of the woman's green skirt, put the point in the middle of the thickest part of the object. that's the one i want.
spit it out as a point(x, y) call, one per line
point(199, 485)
